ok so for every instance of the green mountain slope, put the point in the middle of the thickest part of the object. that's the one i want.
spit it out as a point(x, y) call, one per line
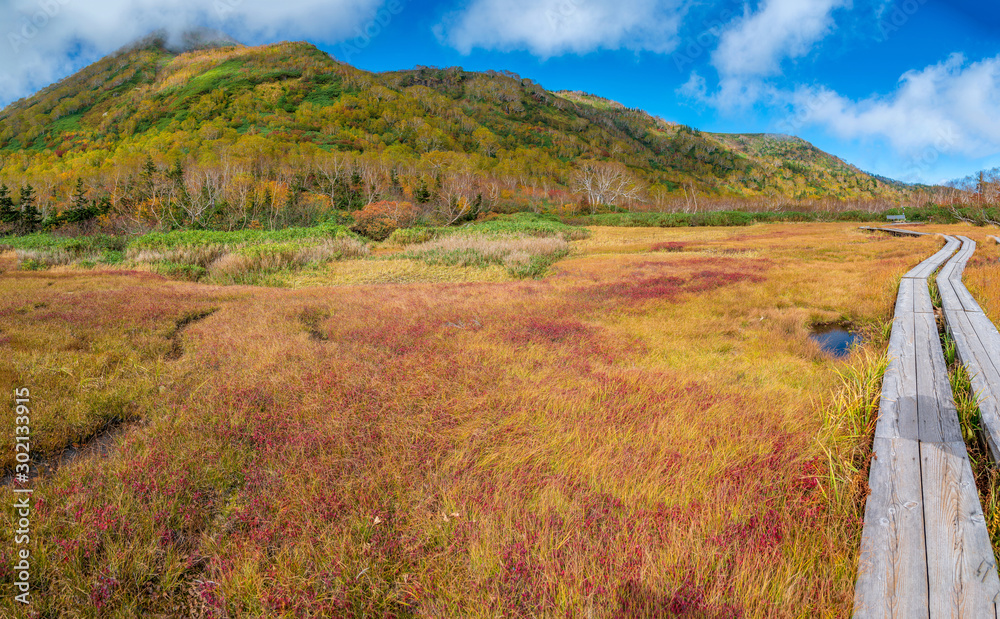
point(142, 126)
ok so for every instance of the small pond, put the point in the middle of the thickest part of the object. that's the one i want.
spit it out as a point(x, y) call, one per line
point(835, 339)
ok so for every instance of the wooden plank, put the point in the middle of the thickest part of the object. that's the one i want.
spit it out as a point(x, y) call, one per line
point(950, 300)
point(904, 296)
point(892, 572)
point(902, 232)
point(937, 419)
point(961, 570)
point(981, 357)
point(926, 268)
point(968, 301)
point(954, 294)
point(922, 297)
point(894, 231)
point(898, 403)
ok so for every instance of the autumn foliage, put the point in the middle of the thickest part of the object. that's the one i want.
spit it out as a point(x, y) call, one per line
point(282, 135)
point(380, 219)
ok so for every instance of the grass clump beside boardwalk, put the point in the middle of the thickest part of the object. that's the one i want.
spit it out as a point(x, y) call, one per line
point(849, 425)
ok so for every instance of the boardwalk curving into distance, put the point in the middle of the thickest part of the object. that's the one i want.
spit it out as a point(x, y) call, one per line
point(977, 343)
point(925, 550)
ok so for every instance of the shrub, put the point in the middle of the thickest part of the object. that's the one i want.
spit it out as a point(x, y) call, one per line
point(190, 272)
point(31, 264)
point(379, 220)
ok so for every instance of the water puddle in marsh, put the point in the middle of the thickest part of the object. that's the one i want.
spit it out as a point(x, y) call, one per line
point(101, 444)
point(835, 339)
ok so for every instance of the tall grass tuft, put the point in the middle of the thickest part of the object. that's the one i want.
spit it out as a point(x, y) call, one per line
point(522, 256)
point(849, 426)
point(248, 265)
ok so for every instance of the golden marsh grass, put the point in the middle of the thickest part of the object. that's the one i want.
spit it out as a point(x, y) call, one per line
point(647, 431)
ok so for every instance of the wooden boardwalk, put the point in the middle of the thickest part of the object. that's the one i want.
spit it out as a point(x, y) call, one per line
point(977, 343)
point(925, 551)
point(896, 231)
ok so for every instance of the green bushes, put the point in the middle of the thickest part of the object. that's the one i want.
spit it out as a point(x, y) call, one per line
point(930, 213)
point(711, 218)
point(78, 246)
point(228, 257)
point(518, 224)
point(200, 238)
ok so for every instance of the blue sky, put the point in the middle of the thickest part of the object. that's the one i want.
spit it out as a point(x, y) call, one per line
point(907, 89)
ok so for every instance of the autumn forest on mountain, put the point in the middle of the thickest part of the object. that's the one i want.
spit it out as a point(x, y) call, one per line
point(283, 135)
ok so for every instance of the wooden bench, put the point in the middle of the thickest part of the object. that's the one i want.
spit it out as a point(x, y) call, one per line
point(925, 550)
point(896, 218)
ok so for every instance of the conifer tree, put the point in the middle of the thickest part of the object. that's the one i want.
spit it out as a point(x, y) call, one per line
point(31, 218)
point(8, 214)
point(79, 196)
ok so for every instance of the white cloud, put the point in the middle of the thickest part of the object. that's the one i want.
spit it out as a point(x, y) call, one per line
point(44, 40)
point(757, 44)
point(552, 27)
point(948, 108)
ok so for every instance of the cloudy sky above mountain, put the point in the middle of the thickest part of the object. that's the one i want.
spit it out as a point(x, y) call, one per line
point(904, 88)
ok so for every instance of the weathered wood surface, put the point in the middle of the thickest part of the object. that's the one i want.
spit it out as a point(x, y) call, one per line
point(926, 268)
point(960, 566)
point(925, 550)
point(896, 231)
point(954, 295)
point(892, 570)
point(977, 343)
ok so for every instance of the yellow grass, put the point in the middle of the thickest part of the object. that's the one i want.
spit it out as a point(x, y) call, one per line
point(638, 434)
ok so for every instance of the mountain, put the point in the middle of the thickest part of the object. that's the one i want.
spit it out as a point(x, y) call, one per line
point(176, 118)
point(184, 41)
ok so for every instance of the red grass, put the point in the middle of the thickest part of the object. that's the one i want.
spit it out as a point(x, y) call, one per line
point(518, 449)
